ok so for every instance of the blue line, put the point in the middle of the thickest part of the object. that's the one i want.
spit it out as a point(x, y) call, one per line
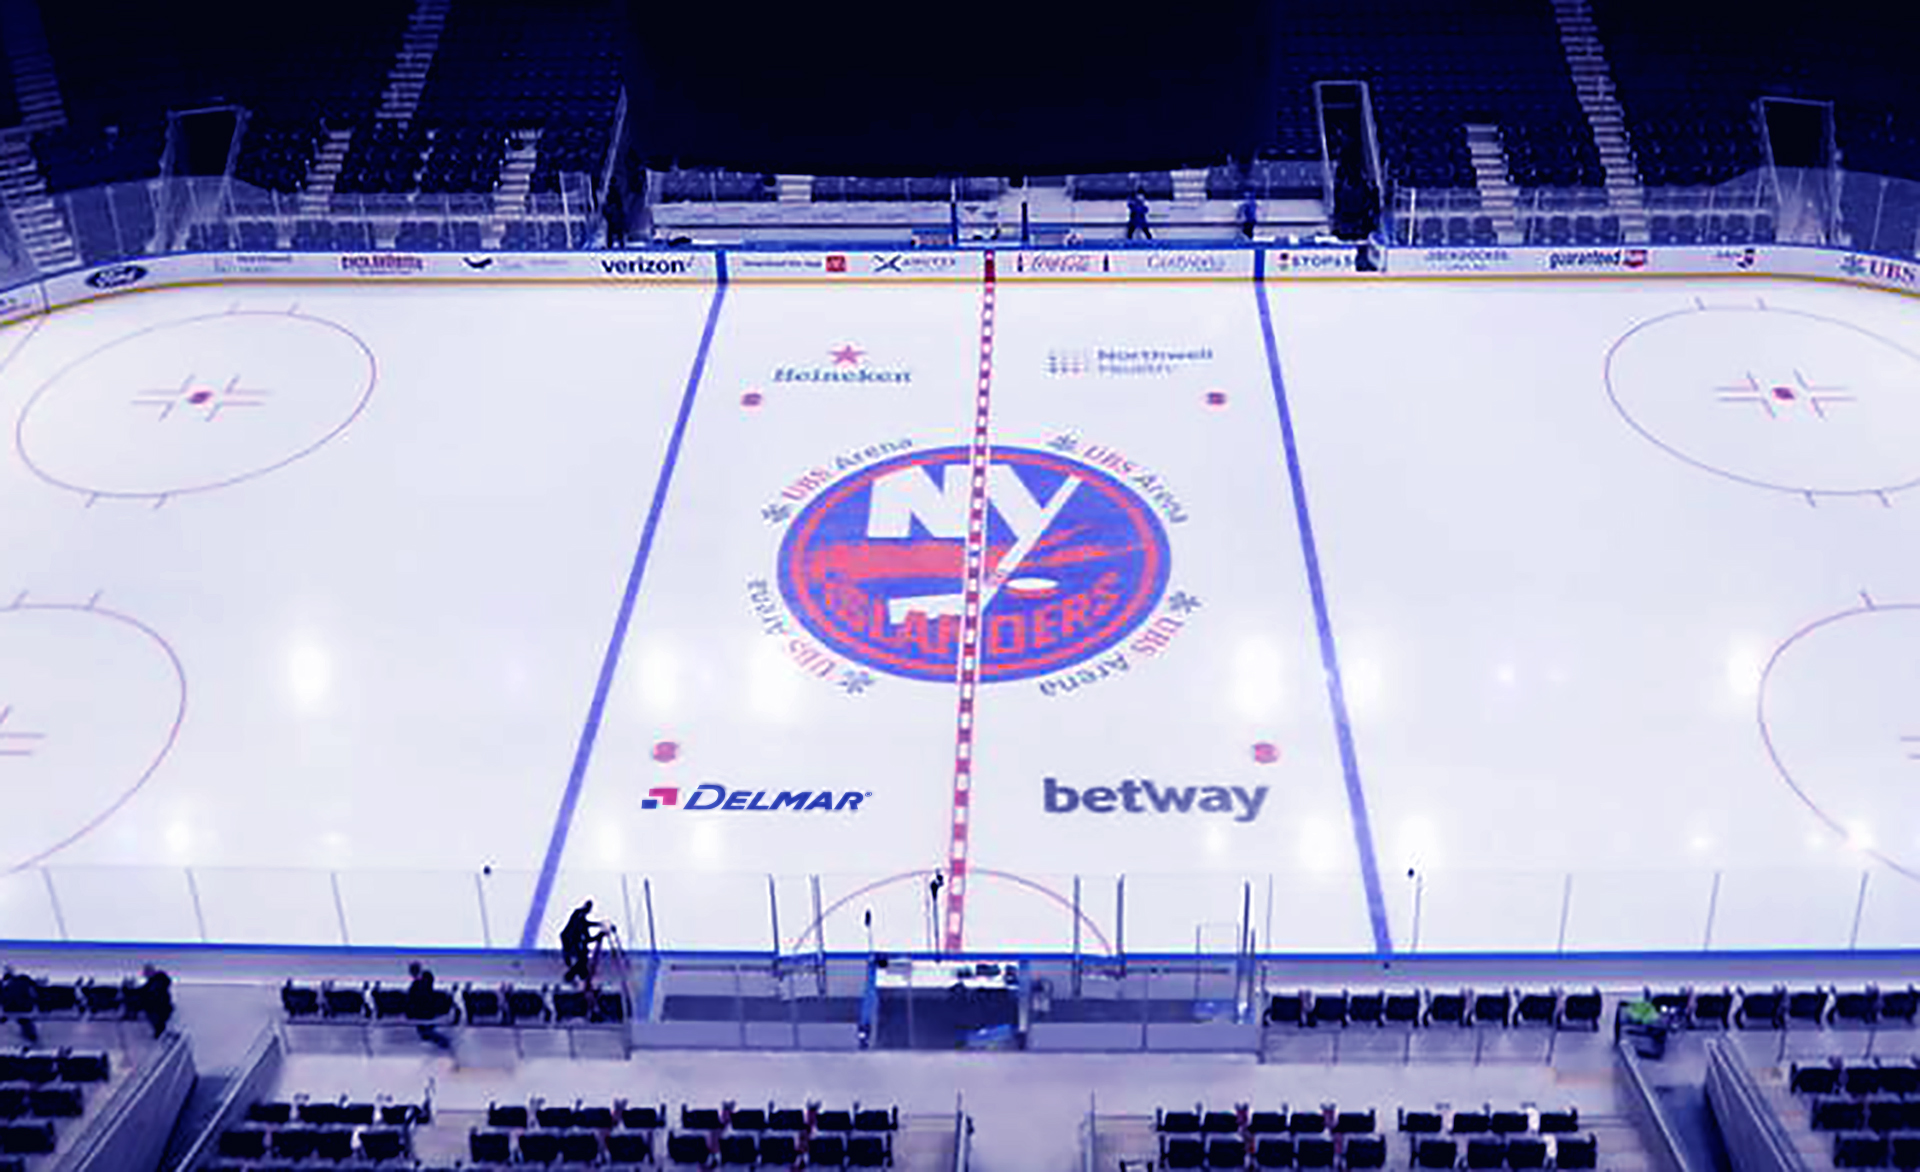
point(557, 845)
point(1323, 621)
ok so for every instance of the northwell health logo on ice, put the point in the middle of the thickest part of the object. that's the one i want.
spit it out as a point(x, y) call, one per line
point(711, 796)
point(1139, 796)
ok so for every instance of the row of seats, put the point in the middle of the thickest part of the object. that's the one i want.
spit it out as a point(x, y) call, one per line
point(1506, 1007)
point(1883, 1076)
point(51, 1101)
point(478, 1005)
point(41, 1066)
point(1780, 1008)
point(1517, 1152)
point(1876, 1151)
point(377, 1145)
point(810, 1119)
point(1345, 1151)
point(43, 1000)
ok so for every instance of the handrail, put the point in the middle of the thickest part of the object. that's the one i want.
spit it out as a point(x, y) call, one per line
point(1644, 1108)
point(260, 1066)
point(1756, 1139)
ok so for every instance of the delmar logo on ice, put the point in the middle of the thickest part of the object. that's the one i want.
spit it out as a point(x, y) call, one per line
point(714, 796)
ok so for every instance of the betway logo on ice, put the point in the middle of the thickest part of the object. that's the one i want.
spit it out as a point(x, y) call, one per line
point(1138, 796)
point(712, 796)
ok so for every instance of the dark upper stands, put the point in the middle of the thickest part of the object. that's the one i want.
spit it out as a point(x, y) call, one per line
point(1434, 66)
point(1688, 75)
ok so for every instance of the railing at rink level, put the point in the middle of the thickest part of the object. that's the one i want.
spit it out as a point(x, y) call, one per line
point(1850, 210)
point(1850, 904)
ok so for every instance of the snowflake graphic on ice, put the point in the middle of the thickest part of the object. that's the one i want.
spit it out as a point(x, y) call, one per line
point(855, 683)
point(775, 514)
point(1064, 443)
point(1180, 602)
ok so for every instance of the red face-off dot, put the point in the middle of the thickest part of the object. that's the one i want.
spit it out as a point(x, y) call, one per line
point(1784, 394)
point(200, 397)
point(1216, 398)
point(1266, 753)
point(665, 751)
point(751, 399)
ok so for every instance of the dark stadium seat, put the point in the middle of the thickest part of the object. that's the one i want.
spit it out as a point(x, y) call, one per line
point(711, 1119)
point(1176, 1122)
point(383, 1144)
point(1273, 1152)
point(1576, 1152)
point(1432, 1152)
point(1314, 1151)
point(1537, 1009)
point(641, 1116)
point(1526, 1152)
point(1179, 1152)
point(84, 1066)
point(740, 1151)
point(630, 1147)
point(1711, 1010)
point(1447, 1009)
point(55, 1102)
point(538, 1147)
point(826, 1151)
point(779, 1149)
point(1580, 1011)
point(1353, 1122)
point(1560, 1122)
point(1509, 1122)
point(490, 1147)
point(1365, 1008)
point(1307, 1122)
point(1286, 1009)
point(482, 1006)
point(1266, 1123)
point(1471, 1123)
point(1485, 1151)
point(1329, 1009)
point(554, 1116)
point(508, 1115)
point(688, 1148)
point(1420, 1122)
point(1860, 1151)
point(1226, 1153)
point(1211, 1123)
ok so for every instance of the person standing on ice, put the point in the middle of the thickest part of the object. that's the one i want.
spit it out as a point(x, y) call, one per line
point(1137, 214)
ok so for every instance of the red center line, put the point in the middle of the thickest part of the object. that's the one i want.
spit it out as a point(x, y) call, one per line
point(979, 454)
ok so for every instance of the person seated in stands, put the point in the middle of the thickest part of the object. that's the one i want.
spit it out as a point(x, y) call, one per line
point(155, 998)
point(425, 1003)
point(577, 940)
point(17, 1002)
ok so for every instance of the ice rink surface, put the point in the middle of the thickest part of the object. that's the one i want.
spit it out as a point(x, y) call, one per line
point(1435, 615)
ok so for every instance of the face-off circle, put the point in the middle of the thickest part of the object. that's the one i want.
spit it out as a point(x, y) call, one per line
point(874, 566)
point(91, 702)
point(195, 404)
point(1773, 398)
point(1839, 714)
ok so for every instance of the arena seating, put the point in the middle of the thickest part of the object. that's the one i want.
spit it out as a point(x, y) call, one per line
point(41, 1091)
point(1871, 1107)
point(1497, 63)
point(1323, 1136)
point(730, 1134)
point(1688, 77)
point(1413, 1008)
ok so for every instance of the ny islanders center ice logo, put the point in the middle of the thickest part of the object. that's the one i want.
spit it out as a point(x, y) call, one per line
point(875, 565)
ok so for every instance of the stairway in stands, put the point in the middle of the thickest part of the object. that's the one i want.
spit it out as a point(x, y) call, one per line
point(516, 184)
point(24, 190)
point(36, 89)
point(1593, 83)
point(1497, 193)
point(407, 80)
